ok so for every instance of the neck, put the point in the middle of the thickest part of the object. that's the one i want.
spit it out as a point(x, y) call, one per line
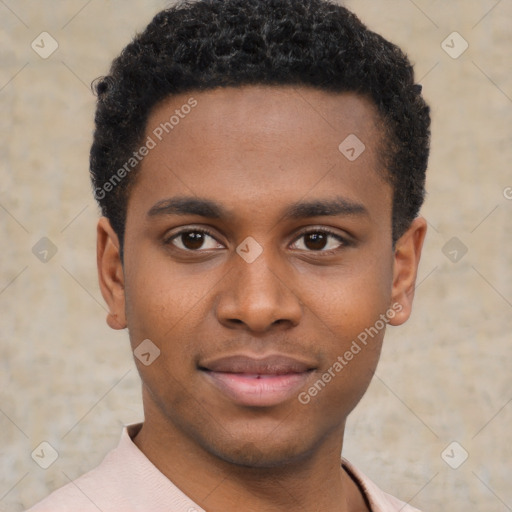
point(314, 481)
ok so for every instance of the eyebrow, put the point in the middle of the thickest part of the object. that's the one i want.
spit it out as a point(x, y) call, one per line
point(324, 208)
point(299, 210)
point(188, 206)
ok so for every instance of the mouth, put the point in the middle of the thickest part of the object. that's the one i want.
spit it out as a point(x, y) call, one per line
point(257, 382)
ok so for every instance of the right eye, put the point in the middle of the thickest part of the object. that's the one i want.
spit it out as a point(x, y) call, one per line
point(193, 240)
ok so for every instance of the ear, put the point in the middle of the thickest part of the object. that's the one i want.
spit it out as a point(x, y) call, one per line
point(110, 273)
point(405, 269)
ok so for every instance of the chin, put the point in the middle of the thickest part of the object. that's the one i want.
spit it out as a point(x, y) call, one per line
point(262, 455)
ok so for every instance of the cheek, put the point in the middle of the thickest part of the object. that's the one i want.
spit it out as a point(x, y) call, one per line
point(350, 300)
point(163, 298)
point(162, 306)
point(351, 339)
point(351, 308)
point(338, 387)
point(155, 299)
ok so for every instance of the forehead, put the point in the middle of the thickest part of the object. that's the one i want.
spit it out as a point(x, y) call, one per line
point(263, 145)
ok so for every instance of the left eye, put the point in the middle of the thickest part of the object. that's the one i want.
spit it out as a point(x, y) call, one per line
point(320, 241)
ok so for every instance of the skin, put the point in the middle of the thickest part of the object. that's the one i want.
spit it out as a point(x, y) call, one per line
point(255, 151)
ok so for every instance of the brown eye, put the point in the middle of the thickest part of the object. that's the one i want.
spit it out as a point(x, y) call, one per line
point(319, 241)
point(315, 241)
point(194, 240)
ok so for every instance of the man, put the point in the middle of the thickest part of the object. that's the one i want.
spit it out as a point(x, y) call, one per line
point(260, 168)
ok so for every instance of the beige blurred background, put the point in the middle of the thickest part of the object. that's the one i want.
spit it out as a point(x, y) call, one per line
point(444, 377)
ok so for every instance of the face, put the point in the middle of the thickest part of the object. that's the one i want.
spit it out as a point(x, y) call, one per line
point(258, 260)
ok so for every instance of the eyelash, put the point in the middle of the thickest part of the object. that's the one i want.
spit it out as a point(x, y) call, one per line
point(344, 242)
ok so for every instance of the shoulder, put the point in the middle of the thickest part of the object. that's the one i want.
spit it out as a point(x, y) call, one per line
point(88, 493)
point(73, 496)
point(126, 481)
point(379, 500)
point(104, 484)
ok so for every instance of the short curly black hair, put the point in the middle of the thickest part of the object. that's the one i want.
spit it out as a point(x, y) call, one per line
point(205, 44)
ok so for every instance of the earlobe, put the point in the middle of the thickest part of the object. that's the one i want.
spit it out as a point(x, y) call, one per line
point(111, 273)
point(405, 269)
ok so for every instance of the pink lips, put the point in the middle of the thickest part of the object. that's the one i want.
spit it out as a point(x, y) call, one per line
point(260, 382)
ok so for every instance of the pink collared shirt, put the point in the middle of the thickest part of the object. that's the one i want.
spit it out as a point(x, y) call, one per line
point(126, 481)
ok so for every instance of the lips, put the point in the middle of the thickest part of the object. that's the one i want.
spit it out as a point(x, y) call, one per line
point(270, 365)
point(257, 382)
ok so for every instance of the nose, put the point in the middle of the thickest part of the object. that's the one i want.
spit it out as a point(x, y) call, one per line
point(258, 296)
